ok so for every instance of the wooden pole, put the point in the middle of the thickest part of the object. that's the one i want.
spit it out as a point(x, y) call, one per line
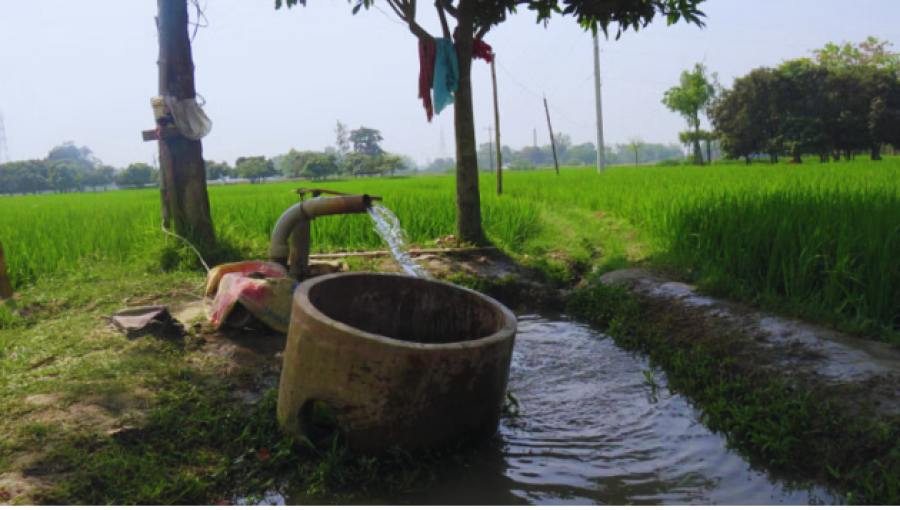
point(552, 140)
point(497, 127)
point(6, 289)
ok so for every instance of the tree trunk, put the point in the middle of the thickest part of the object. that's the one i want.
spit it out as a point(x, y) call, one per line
point(698, 155)
point(836, 155)
point(876, 152)
point(709, 151)
point(468, 199)
point(187, 196)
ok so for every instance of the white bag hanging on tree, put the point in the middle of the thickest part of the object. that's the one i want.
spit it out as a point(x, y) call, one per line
point(189, 117)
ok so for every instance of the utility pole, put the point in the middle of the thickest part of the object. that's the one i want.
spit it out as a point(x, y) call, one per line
point(4, 149)
point(601, 150)
point(497, 125)
point(490, 131)
point(535, 138)
point(552, 140)
point(182, 171)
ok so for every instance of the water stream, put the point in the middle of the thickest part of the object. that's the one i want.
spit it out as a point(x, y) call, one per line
point(388, 227)
point(593, 430)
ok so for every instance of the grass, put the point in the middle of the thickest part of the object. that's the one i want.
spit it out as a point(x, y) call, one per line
point(817, 240)
point(153, 421)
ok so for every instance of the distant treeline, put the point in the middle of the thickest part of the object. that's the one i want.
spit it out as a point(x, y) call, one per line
point(532, 157)
point(69, 168)
point(803, 107)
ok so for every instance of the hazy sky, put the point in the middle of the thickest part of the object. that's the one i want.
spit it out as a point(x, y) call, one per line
point(85, 71)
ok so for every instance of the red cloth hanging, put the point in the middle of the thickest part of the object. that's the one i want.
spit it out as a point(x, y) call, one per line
point(482, 50)
point(426, 74)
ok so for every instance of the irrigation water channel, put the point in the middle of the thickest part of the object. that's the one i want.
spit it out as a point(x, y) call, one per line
point(592, 429)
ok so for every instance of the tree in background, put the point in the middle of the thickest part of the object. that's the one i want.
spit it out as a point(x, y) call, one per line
point(870, 53)
point(366, 141)
point(441, 164)
point(215, 171)
point(98, 177)
point(68, 151)
point(636, 143)
point(254, 169)
point(342, 139)
point(689, 98)
point(390, 163)
point(563, 145)
point(136, 175)
point(474, 18)
point(294, 162)
point(320, 166)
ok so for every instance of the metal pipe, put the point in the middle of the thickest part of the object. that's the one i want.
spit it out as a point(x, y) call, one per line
point(292, 221)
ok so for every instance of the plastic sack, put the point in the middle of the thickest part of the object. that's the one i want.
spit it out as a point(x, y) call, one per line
point(189, 117)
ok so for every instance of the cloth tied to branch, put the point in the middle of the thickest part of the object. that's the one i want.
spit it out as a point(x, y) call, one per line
point(426, 73)
point(482, 50)
point(446, 73)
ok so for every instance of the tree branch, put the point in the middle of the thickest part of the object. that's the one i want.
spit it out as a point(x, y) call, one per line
point(396, 6)
point(500, 18)
point(418, 31)
point(438, 4)
point(448, 7)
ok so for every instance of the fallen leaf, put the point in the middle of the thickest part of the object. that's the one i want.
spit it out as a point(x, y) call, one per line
point(223, 502)
point(599, 215)
point(264, 454)
point(5, 495)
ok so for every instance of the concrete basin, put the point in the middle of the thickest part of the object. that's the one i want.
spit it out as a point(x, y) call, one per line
point(401, 361)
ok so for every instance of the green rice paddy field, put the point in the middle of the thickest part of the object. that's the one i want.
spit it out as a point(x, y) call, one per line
point(819, 240)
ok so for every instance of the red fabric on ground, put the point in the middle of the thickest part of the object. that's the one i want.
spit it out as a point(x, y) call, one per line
point(426, 74)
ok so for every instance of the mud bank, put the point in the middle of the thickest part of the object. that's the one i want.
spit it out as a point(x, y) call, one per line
point(864, 374)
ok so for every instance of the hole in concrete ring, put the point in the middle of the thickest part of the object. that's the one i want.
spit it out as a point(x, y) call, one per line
point(407, 309)
point(319, 422)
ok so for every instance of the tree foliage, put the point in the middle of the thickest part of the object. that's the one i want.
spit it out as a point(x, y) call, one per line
point(254, 169)
point(320, 166)
point(136, 175)
point(366, 141)
point(804, 108)
point(872, 52)
point(694, 93)
point(66, 168)
point(216, 171)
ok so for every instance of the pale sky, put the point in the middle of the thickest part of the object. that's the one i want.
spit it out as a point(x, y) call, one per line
point(85, 71)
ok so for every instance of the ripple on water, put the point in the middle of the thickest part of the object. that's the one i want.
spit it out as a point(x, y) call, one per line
point(592, 431)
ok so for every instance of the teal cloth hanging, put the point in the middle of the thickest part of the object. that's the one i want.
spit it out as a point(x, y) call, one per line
point(446, 73)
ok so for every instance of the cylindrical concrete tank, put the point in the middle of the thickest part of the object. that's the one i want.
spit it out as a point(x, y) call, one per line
point(401, 361)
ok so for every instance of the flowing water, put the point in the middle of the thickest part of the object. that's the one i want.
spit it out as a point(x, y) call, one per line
point(593, 430)
point(388, 227)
